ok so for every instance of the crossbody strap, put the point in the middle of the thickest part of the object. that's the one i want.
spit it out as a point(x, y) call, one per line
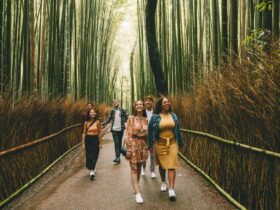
point(89, 126)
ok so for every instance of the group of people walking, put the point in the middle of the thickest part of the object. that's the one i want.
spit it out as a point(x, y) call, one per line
point(150, 130)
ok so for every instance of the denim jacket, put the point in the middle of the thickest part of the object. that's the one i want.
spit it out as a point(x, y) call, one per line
point(153, 130)
point(111, 117)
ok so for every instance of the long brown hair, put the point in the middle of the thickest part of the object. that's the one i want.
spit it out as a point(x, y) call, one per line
point(144, 114)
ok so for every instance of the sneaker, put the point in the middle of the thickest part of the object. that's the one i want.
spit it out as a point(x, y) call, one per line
point(138, 198)
point(153, 175)
point(163, 187)
point(142, 171)
point(92, 175)
point(172, 195)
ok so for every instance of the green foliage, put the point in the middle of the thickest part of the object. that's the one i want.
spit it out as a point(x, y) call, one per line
point(257, 39)
point(265, 4)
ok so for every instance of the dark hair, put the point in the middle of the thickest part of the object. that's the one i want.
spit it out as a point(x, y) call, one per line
point(91, 103)
point(88, 115)
point(158, 107)
point(144, 114)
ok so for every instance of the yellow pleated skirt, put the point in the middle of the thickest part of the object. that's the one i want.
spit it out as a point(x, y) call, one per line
point(167, 153)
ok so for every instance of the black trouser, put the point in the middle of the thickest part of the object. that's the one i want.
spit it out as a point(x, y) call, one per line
point(92, 151)
point(117, 136)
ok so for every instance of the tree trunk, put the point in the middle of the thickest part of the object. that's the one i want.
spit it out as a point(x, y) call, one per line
point(224, 30)
point(32, 49)
point(234, 26)
point(26, 61)
point(132, 73)
point(267, 17)
point(1, 45)
point(215, 32)
point(275, 18)
point(7, 49)
point(160, 81)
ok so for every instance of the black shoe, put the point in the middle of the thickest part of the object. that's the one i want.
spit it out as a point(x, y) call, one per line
point(117, 160)
point(92, 176)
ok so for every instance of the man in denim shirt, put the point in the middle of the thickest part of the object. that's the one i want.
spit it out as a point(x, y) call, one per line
point(118, 116)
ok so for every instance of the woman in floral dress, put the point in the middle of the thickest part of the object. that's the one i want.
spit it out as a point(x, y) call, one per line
point(136, 144)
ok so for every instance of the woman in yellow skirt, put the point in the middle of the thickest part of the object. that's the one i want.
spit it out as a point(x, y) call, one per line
point(165, 138)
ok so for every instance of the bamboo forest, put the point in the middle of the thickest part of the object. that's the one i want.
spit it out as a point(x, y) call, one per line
point(217, 62)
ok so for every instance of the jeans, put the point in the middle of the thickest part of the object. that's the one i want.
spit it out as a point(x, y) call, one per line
point(152, 159)
point(117, 136)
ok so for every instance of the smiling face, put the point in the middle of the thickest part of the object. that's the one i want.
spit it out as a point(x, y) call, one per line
point(148, 103)
point(139, 106)
point(116, 103)
point(92, 113)
point(165, 105)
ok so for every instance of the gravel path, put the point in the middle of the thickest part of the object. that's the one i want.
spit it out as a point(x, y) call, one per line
point(67, 186)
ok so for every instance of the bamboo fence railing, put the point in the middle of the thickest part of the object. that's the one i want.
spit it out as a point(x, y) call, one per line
point(28, 145)
point(231, 143)
point(32, 143)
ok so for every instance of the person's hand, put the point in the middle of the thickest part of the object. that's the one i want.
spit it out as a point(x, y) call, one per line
point(100, 146)
point(83, 147)
point(128, 155)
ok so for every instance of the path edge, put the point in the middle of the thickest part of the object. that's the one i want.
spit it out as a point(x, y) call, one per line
point(209, 179)
point(28, 184)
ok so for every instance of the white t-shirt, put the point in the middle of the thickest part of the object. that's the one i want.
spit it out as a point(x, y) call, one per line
point(149, 114)
point(117, 122)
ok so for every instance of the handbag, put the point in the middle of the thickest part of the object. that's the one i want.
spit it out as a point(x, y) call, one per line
point(123, 150)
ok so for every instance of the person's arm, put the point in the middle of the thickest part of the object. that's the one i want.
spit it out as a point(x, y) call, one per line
point(99, 134)
point(128, 132)
point(147, 123)
point(109, 118)
point(125, 116)
point(179, 135)
point(82, 123)
point(84, 135)
point(128, 139)
point(150, 133)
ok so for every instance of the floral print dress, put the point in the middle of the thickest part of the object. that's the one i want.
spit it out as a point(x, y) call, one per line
point(136, 140)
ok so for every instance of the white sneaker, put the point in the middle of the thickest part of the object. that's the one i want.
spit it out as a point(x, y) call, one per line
point(92, 175)
point(172, 195)
point(142, 171)
point(138, 198)
point(153, 175)
point(163, 187)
